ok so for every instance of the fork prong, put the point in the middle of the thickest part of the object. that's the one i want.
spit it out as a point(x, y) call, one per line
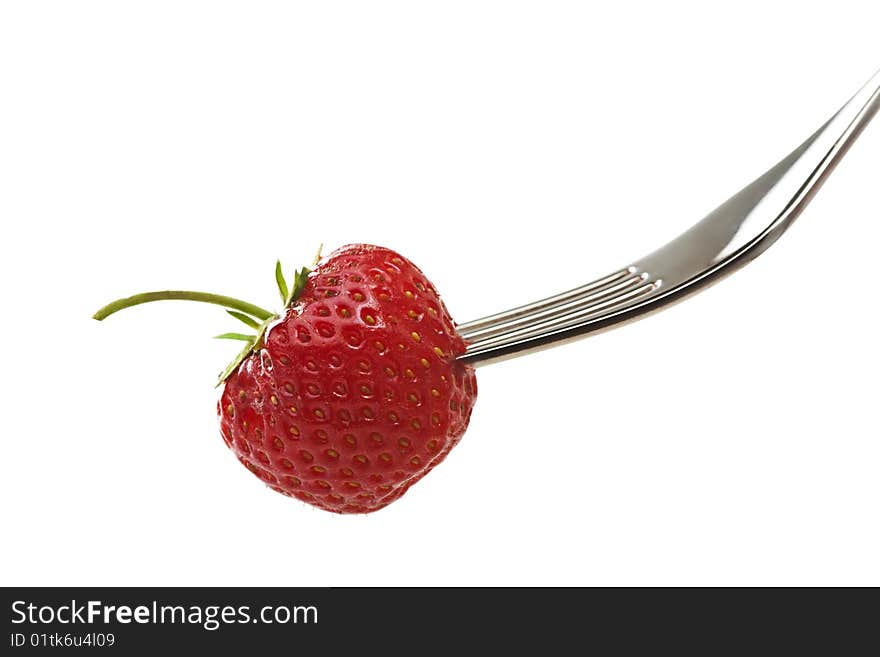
point(569, 304)
point(526, 311)
point(576, 316)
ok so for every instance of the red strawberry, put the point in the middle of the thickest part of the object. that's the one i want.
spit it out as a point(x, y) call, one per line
point(354, 393)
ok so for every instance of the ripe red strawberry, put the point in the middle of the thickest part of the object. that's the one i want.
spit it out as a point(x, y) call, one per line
point(354, 393)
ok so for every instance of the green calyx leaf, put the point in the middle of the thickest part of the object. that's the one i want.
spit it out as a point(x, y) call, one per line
point(317, 256)
point(246, 319)
point(282, 284)
point(299, 282)
point(225, 374)
point(289, 296)
point(236, 336)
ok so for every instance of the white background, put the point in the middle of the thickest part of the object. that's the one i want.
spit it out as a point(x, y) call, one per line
point(511, 149)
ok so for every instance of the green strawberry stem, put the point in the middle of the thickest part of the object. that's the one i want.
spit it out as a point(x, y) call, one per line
point(255, 317)
point(204, 297)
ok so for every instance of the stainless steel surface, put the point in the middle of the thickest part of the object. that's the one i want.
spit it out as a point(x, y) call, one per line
point(739, 230)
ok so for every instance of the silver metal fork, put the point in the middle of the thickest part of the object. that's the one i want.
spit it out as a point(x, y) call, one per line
point(735, 233)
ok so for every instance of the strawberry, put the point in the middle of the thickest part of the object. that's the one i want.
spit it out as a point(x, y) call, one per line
point(353, 393)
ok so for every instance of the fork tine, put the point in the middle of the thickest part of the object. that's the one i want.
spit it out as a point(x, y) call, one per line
point(539, 326)
point(526, 311)
point(568, 305)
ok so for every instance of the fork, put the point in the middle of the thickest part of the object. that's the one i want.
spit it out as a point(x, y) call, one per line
point(735, 233)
